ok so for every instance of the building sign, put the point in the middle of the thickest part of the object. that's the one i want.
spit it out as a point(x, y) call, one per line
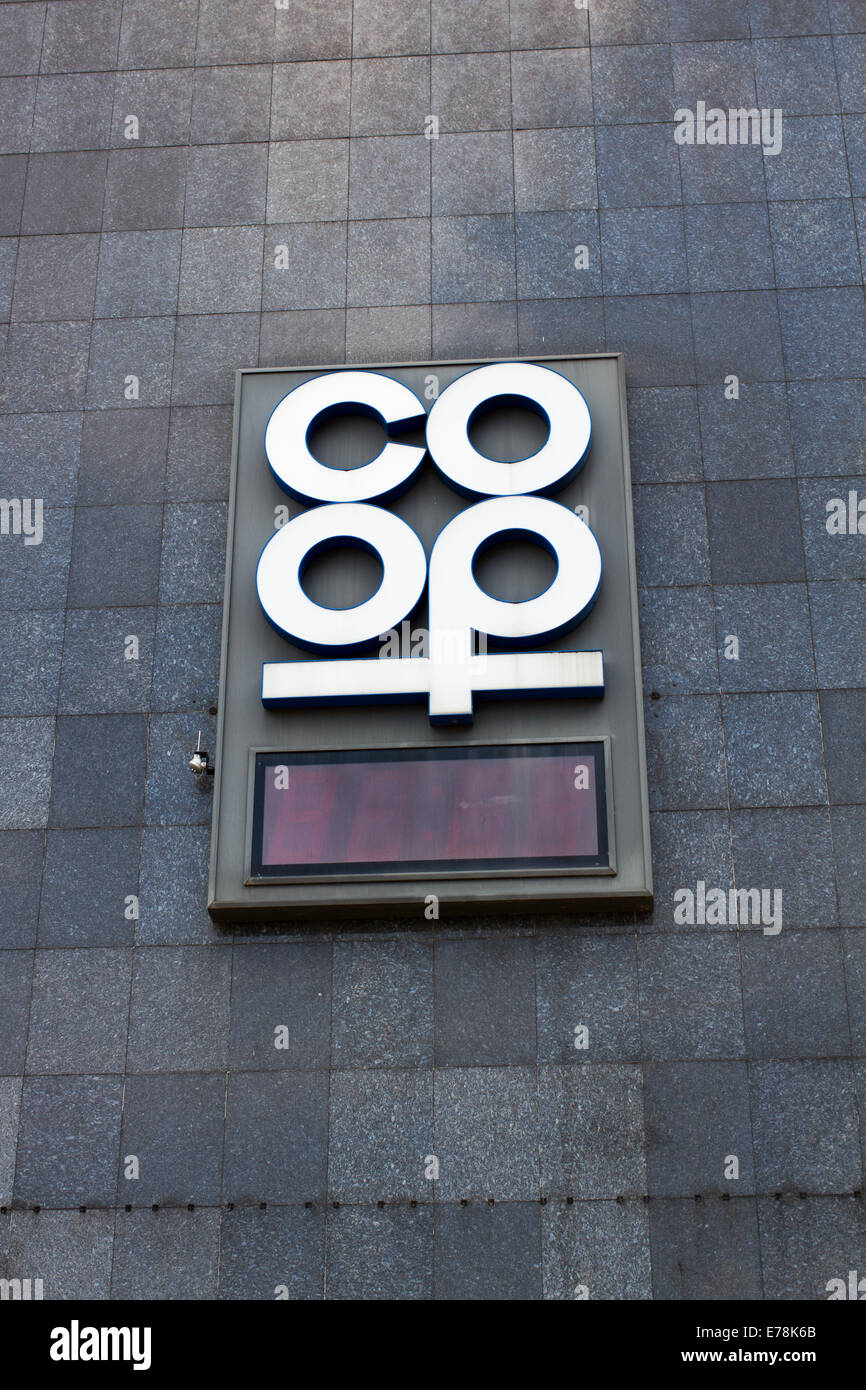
point(430, 674)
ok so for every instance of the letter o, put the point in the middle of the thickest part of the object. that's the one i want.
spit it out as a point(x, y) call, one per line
point(541, 389)
point(286, 555)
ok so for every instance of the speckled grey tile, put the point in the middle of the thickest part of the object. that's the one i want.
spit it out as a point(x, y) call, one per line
point(305, 266)
point(157, 33)
point(554, 170)
point(55, 277)
point(72, 112)
point(719, 73)
point(688, 847)
point(21, 865)
point(403, 28)
point(383, 1003)
point(551, 250)
point(226, 185)
point(105, 540)
point(849, 827)
point(697, 1119)
point(829, 427)
point(811, 162)
point(166, 1254)
point(388, 335)
point(794, 996)
point(678, 1022)
point(68, 1142)
point(121, 456)
point(705, 1250)
point(180, 1009)
point(729, 247)
point(485, 1133)
point(221, 270)
point(280, 1006)
point(173, 1126)
point(144, 189)
point(737, 333)
point(678, 640)
point(551, 88)
point(637, 324)
point(231, 104)
point(30, 648)
point(380, 1254)
point(92, 908)
point(586, 997)
point(685, 753)
point(130, 363)
point(632, 83)
point(15, 994)
point(601, 1247)
point(788, 851)
point(185, 673)
point(843, 720)
point(278, 1252)
point(680, 511)
point(138, 274)
point(754, 530)
point(471, 91)
point(390, 96)
point(160, 103)
point(21, 38)
point(25, 749)
point(839, 628)
point(389, 176)
point(388, 262)
point(484, 1002)
point(242, 34)
point(637, 165)
point(192, 532)
point(380, 1135)
point(174, 796)
point(70, 1251)
point(806, 1244)
point(488, 1252)
point(773, 650)
point(804, 1117)
point(643, 251)
point(473, 258)
point(487, 329)
point(45, 366)
point(664, 435)
point(91, 786)
point(472, 173)
point(10, 1104)
point(79, 1011)
point(276, 1137)
point(107, 661)
point(824, 332)
point(172, 909)
point(301, 336)
point(591, 1130)
point(548, 326)
point(773, 747)
point(746, 437)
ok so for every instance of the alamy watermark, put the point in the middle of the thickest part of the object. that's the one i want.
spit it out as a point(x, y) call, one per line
point(720, 907)
point(22, 516)
point(737, 126)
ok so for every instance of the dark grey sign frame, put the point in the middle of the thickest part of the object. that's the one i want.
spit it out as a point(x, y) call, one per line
point(244, 727)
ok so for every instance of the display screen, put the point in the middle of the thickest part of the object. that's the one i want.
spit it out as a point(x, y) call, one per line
point(398, 810)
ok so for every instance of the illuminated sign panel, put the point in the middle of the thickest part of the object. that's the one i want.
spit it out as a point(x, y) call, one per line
point(430, 675)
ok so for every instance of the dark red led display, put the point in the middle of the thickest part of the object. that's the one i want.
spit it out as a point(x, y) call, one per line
point(394, 810)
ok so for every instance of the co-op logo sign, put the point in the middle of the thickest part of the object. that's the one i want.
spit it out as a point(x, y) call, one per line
point(450, 674)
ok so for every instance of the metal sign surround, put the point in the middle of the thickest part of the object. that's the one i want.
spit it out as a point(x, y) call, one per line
point(360, 827)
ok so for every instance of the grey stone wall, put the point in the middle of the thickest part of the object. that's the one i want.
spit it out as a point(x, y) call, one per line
point(137, 271)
